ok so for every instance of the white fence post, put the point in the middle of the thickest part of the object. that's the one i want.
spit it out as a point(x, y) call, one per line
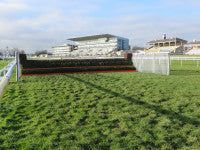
point(17, 66)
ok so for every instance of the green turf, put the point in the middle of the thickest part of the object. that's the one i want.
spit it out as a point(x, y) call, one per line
point(3, 63)
point(101, 111)
point(188, 67)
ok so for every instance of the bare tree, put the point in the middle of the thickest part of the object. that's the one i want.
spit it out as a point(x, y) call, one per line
point(37, 53)
point(138, 48)
point(11, 51)
point(22, 52)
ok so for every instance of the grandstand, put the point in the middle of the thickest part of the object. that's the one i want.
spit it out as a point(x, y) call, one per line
point(172, 45)
point(193, 52)
point(63, 50)
point(193, 48)
point(95, 45)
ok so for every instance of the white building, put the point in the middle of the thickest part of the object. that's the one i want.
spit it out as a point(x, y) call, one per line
point(193, 48)
point(172, 45)
point(63, 50)
point(103, 44)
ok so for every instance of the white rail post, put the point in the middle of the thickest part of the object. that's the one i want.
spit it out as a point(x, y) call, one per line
point(181, 63)
point(17, 66)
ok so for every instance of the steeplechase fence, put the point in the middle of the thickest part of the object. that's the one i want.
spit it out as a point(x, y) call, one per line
point(39, 67)
point(7, 71)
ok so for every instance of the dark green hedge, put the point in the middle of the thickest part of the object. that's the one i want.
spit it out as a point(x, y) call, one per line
point(64, 70)
point(74, 63)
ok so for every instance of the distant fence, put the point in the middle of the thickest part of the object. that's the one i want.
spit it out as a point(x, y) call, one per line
point(197, 59)
point(152, 62)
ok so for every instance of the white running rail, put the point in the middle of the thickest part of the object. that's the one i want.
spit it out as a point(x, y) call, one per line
point(184, 58)
point(181, 59)
point(7, 70)
point(6, 73)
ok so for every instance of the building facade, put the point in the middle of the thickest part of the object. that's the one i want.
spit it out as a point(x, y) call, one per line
point(63, 50)
point(193, 48)
point(103, 44)
point(100, 44)
point(171, 45)
point(194, 45)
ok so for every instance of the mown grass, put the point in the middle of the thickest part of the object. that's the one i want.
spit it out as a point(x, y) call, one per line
point(101, 111)
point(188, 67)
point(3, 63)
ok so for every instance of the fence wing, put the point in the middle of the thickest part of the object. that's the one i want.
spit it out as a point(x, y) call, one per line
point(152, 62)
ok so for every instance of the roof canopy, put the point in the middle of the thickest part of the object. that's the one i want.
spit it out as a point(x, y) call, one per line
point(91, 37)
point(167, 40)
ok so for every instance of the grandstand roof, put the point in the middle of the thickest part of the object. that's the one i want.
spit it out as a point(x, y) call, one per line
point(167, 40)
point(91, 37)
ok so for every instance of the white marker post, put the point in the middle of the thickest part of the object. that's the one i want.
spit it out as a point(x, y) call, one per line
point(17, 66)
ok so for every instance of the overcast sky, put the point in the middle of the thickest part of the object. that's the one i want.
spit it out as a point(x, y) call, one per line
point(41, 24)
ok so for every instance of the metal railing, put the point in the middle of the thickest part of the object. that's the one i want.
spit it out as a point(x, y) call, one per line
point(184, 58)
point(157, 63)
point(7, 70)
point(6, 73)
point(185, 65)
point(181, 59)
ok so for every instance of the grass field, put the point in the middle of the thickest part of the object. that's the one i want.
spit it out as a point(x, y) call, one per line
point(3, 63)
point(188, 67)
point(101, 111)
